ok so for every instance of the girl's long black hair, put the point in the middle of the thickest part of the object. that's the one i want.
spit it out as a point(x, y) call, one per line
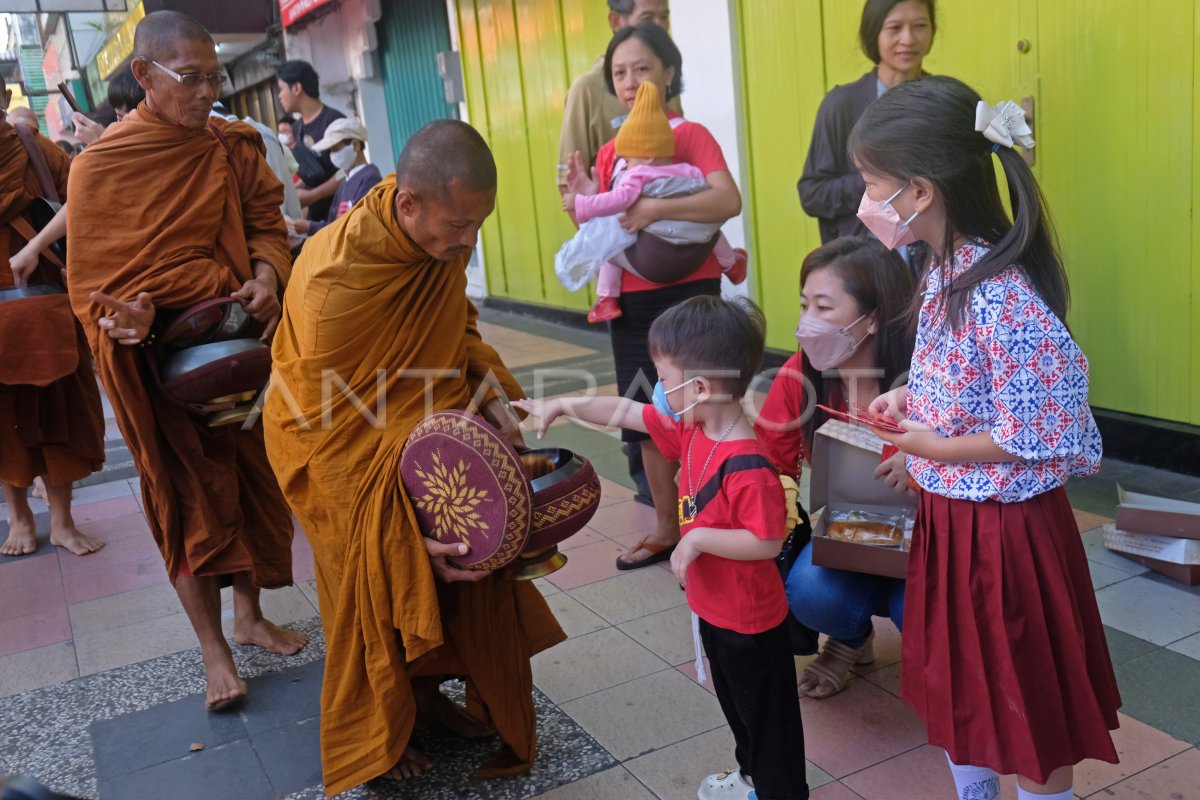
point(925, 128)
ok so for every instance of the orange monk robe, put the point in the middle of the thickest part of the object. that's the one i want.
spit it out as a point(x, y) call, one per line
point(163, 209)
point(57, 428)
point(368, 315)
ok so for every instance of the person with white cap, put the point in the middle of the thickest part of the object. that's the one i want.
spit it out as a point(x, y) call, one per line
point(345, 140)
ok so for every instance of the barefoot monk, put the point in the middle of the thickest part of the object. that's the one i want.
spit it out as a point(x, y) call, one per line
point(377, 307)
point(202, 222)
point(51, 422)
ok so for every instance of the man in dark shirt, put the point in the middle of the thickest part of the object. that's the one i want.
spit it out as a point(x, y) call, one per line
point(344, 142)
point(299, 93)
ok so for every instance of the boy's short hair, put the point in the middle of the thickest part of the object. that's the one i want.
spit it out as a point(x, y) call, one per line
point(711, 333)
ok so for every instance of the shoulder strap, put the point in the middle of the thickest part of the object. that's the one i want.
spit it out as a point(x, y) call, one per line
point(38, 159)
point(742, 463)
point(221, 138)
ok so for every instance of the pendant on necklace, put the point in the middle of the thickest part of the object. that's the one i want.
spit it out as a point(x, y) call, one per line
point(687, 510)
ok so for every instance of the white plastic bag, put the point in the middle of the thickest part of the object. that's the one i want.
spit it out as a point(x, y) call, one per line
point(597, 240)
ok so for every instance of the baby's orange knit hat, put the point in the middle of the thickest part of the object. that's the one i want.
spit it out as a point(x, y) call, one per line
point(646, 132)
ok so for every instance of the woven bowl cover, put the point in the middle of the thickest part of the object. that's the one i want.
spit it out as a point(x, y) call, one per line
point(563, 501)
point(467, 484)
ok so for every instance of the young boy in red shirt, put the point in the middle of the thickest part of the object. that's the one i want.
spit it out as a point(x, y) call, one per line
point(732, 518)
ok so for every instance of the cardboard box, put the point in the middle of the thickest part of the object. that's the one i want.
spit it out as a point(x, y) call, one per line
point(1177, 558)
point(844, 458)
point(1145, 513)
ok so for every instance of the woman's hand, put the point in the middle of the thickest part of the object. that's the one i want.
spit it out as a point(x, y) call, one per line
point(86, 130)
point(128, 323)
point(894, 474)
point(892, 404)
point(544, 411)
point(24, 263)
point(644, 211)
point(683, 556)
point(581, 180)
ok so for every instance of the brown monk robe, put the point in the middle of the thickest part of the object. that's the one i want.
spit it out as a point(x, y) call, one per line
point(378, 301)
point(201, 221)
point(51, 420)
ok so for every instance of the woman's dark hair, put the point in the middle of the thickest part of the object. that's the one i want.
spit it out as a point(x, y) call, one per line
point(926, 129)
point(874, 14)
point(659, 41)
point(711, 333)
point(300, 72)
point(124, 91)
point(881, 283)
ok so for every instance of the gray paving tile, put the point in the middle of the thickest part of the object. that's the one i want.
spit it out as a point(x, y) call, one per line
point(281, 698)
point(132, 742)
point(1149, 610)
point(1106, 575)
point(1174, 584)
point(229, 772)
point(1189, 646)
point(291, 755)
point(1162, 689)
point(1124, 647)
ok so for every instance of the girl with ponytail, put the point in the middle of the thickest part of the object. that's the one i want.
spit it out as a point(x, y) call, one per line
point(1004, 654)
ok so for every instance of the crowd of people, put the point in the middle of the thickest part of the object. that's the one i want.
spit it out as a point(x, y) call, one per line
point(925, 300)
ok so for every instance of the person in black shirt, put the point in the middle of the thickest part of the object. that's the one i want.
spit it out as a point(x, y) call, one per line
point(299, 93)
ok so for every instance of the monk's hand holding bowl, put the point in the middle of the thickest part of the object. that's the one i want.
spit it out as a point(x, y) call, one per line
point(260, 294)
point(128, 323)
point(444, 570)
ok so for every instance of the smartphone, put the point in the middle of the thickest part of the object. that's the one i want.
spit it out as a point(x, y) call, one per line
point(65, 91)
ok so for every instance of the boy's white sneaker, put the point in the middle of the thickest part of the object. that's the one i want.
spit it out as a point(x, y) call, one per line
point(727, 785)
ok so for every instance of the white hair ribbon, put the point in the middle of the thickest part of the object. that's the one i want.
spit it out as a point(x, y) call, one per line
point(1003, 124)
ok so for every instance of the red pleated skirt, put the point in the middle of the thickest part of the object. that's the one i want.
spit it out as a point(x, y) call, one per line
point(1004, 654)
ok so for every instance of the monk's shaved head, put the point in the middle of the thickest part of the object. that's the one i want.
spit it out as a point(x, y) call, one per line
point(441, 153)
point(157, 34)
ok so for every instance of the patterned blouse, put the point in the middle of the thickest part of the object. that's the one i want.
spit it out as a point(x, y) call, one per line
point(1011, 369)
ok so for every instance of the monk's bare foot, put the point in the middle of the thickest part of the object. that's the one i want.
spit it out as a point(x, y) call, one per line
point(22, 535)
point(74, 540)
point(412, 764)
point(224, 686)
point(39, 488)
point(435, 708)
point(267, 634)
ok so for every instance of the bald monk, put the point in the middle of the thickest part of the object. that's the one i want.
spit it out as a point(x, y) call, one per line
point(202, 222)
point(51, 420)
point(378, 301)
point(23, 115)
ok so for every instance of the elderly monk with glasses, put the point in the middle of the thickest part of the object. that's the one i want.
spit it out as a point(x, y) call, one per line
point(201, 222)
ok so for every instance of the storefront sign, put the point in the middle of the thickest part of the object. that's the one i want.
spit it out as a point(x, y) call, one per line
point(118, 48)
point(290, 11)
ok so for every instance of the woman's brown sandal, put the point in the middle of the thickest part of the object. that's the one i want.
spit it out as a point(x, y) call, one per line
point(830, 670)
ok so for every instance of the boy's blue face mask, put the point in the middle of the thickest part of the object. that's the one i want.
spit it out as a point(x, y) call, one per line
point(660, 400)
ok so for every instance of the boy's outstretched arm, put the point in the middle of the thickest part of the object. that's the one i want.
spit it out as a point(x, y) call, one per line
point(611, 412)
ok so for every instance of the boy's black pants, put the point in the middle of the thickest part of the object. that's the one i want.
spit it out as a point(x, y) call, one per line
point(755, 679)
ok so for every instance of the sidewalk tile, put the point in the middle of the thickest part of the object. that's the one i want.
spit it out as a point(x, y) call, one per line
point(1122, 647)
point(100, 491)
point(633, 594)
point(1104, 575)
point(1093, 545)
point(612, 493)
point(688, 668)
point(111, 529)
point(834, 791)
point(1139, 746)
point(1189, 646)
point(1088, 521)
point(1177, 778)
point(628, 520)
point(123, 506)
point(590, 663)
point(1162, 688)
point(860, 727)
point(574, 618)
point(106, 650)
point(31, 568)
point(117, 551)
point(37, 629)
point(27, 597)
point(588, 564)
point(917, 774)
point(291, 756)
point(887, 646)
point(115, 579)
point(646, 714)
point(1149, 610)
point(545, 587)
point(584, 537)
point(33, 669)
point(887, 679)
point(228, 772)
point(668, 634)
point(612, 784)
point(127, 608)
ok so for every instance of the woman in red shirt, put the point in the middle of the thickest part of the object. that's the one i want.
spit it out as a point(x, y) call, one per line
point(646, 53)
point(856, 337)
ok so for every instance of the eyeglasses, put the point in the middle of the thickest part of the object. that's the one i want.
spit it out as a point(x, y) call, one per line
point(194, 80)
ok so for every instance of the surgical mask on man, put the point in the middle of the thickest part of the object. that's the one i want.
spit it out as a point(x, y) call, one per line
point(285, 139)
point(884, 223)
point(827, 344)
point(660, 400)
point(344, 159)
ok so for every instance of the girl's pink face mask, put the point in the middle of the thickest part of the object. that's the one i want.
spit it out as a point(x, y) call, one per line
point(884, 223)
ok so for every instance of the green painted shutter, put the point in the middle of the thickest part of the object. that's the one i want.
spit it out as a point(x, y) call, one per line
point(411, 34)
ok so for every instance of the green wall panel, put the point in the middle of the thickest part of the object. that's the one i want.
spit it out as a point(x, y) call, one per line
point(411, 34)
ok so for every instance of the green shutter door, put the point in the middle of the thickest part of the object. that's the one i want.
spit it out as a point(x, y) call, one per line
point(411, 34)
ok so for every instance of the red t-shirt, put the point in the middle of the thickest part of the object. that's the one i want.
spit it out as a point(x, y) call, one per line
point(742, 596)
point(693, 145)
point(780, 425)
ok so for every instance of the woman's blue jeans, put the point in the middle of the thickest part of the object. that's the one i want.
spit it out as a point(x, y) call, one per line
point(839, 603)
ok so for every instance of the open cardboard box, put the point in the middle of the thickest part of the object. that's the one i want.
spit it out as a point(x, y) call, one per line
point(844, 458)
point(1162, 516)
point(1176, 557)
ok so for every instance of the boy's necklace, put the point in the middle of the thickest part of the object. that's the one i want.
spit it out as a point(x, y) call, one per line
point(687, 503)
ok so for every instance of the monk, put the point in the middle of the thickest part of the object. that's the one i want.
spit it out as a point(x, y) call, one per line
point(377, 329)
point(201, 222)
point(51, 420)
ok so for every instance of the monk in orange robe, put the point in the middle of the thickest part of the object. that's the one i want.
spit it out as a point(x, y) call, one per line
point(377, 330)
point(185, 210)
point(51, 420)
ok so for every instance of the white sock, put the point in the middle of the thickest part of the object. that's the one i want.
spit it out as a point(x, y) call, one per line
point(976, 783)
point(1024, 795)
